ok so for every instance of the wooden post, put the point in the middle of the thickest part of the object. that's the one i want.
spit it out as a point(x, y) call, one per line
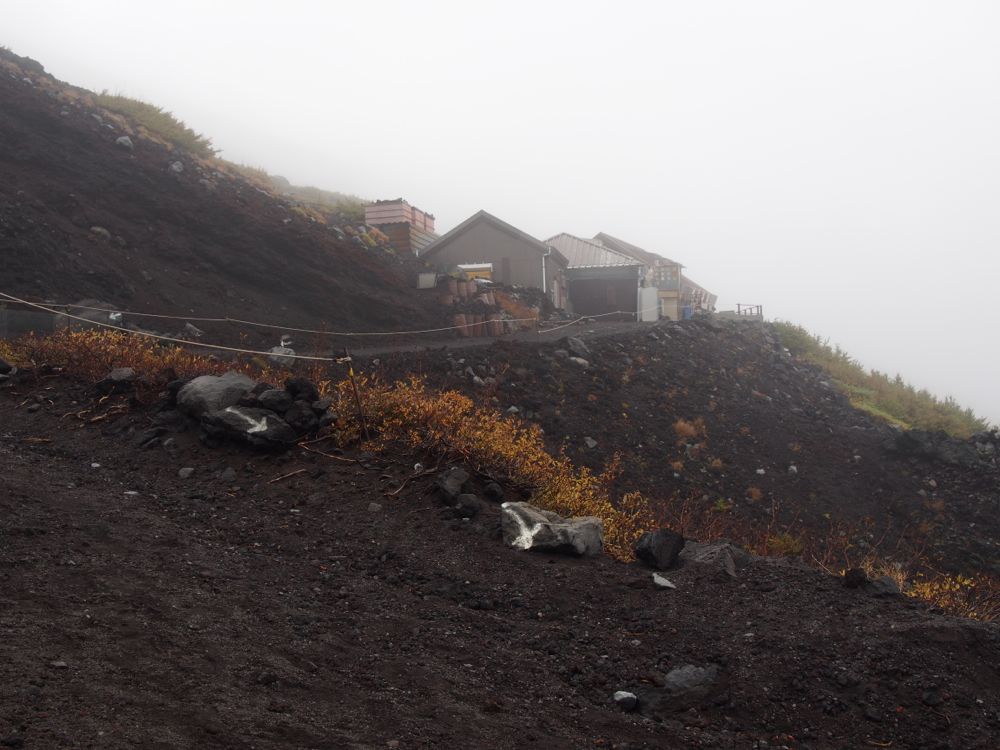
point(357, 394)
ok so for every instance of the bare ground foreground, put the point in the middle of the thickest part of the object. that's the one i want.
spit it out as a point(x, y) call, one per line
point(227, 609)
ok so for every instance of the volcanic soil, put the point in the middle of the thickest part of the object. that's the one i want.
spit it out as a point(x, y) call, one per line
point(300, 601)
point(202, 241)
point(774, 446)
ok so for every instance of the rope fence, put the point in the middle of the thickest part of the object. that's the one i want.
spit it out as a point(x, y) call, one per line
point(237, 350)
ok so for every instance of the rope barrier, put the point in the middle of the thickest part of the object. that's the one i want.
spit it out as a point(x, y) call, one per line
point(304, 330)
point(168, 338)
point(237, 350)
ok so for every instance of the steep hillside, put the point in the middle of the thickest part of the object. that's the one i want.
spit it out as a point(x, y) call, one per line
point(725, 432)
point(147, 226)
point(159, 593)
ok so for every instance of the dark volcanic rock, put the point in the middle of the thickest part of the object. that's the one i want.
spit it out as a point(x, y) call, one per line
point(258, 427)
point(277, 401)
point(302, 389)
point(302, 418)
point(683, 688)
point(5, 367)
point(659, 549)
point(450, 482)
point(119, 380)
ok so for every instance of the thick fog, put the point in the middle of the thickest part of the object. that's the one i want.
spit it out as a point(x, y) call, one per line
point(838, 163)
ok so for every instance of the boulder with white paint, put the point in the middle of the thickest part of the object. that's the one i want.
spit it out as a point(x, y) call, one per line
point(529, 528)
point(210, 393)
point(258, 427)
point(721, 555)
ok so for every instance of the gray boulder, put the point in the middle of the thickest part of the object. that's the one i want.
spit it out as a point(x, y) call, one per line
point(212, 393)
point(659, 549)
point(577, 347)
point(125, 142)
point(278, 401)
point(450, 482)
point(625, 700)
point(723, 556)
point(527, 527)
point(118, 380)
point(282, 356)
point(683, 688)
point(258, 427)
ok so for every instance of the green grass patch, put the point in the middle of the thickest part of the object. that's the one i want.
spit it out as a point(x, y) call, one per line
point(889, 398)
point(157, 121)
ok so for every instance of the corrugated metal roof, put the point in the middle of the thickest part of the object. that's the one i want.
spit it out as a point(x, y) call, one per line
point(583, 253)
point(627, 248)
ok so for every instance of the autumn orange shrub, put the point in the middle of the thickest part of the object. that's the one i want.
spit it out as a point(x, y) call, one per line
point(446, 423)
point(689, 430)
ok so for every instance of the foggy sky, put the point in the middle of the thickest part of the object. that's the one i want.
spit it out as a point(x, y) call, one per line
point(838, 163)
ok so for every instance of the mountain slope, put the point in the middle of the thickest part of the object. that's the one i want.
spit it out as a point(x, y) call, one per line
point(719, 427)
point(155, 229)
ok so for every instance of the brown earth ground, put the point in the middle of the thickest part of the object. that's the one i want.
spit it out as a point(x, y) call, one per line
point(139, 609)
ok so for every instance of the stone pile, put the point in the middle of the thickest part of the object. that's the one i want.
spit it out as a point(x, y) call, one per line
point(232, 406)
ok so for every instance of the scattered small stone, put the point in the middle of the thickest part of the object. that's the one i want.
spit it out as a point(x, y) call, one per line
point(580, 362)
point(374, 507)
point(761, 472)
point(176, 167)
point(101, 232)
point(34, 407)
point(663, 583)
point(58, 665)
point(590, 442)
point(626, 701)
point(932, 698)
point(186, 472)
point(125, 142)
point(793, 469)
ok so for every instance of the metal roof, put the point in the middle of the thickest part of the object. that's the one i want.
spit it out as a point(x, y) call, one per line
point(634, 251)
point(583, 253)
